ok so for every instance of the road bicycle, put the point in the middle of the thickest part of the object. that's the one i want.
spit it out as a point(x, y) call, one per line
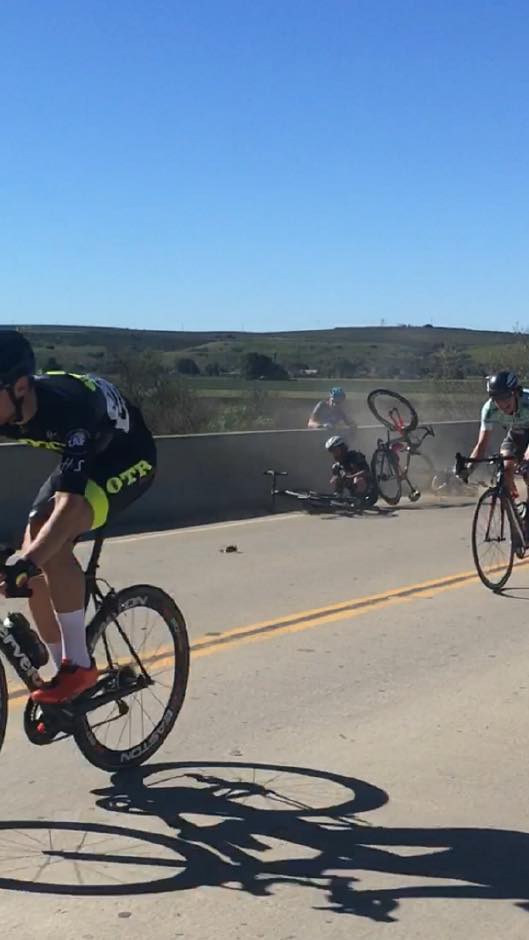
point(499, 525)
point(314, 501)
point(138, 638)
point(393, 458)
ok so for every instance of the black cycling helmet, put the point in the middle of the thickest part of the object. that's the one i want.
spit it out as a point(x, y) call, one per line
point(502, 385)
point(16, 357)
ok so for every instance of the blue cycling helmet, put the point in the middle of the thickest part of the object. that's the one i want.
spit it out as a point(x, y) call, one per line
point(337, 393)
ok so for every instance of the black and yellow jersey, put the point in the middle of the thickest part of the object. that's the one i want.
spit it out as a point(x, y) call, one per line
point(79, 417)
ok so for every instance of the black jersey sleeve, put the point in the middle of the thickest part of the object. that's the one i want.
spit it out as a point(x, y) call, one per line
point(76, 461)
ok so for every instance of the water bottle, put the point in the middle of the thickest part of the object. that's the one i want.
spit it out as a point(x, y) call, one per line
point(30, 643)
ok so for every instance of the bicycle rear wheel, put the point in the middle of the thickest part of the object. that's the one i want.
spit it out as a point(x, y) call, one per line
point(421, 473)
point(385, 471)
point(146, 636)
point(492, 545)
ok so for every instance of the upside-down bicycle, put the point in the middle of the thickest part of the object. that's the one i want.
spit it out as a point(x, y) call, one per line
point(139, 640)
point(392, 458)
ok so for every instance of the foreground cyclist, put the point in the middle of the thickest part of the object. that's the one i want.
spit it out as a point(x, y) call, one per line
point(108, 460)
point(350, 470)
point(508, 407)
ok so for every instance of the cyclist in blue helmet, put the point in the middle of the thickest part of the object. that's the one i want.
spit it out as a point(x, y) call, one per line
point(330, 412)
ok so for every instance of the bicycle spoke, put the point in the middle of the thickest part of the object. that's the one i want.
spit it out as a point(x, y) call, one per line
point(137, 638)
point(491, 540)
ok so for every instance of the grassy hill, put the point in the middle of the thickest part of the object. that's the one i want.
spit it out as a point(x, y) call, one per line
point(384, 352)
point(440, 370)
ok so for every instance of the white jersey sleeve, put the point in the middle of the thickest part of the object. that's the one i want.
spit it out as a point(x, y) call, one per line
point(486, 418)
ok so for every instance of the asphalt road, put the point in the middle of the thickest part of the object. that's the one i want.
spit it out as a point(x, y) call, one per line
point(351, 759)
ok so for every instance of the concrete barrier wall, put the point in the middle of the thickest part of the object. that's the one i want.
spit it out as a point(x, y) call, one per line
point(204, 477)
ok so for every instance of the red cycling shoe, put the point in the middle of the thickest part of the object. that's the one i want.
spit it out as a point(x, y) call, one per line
point(70, 681)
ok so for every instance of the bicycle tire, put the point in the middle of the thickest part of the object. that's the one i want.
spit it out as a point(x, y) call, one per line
point(384, 468)
point(384, 418)
point(152, 599)
point(4, 703)
point(422, 472)
point(484, 572)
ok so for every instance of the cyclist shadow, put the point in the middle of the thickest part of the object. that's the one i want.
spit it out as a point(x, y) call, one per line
point(249, 836)
point(514, 593)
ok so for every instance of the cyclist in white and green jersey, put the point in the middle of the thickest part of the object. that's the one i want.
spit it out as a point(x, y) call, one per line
point(508, 407)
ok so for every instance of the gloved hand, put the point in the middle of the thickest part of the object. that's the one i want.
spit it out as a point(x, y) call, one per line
point(15, 576)
point(463, 473)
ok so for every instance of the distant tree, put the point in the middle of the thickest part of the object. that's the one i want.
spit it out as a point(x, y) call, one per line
point(344, 369)
point(52, 365)
point(256, 365)
point(168, 402)
point(213, 368)
point(451, 363)
point(187, 366)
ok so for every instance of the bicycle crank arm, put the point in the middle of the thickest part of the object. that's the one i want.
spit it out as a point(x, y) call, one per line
point(88, 702)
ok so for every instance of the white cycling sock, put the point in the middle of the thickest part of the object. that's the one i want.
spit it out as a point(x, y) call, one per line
point(55, 652)
point(74, 637)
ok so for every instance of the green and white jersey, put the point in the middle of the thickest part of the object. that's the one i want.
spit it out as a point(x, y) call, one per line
point(491, 415)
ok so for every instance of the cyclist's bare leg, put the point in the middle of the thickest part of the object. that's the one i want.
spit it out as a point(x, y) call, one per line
point(510, 466)
point(40, 603)
point(360, 482)
point(60, 590)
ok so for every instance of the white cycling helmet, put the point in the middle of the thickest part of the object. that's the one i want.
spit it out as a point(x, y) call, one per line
point(334, 441)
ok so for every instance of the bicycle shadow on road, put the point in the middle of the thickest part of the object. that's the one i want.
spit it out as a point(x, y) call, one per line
point(254, 828)
point(514, 593)
point(239, 819)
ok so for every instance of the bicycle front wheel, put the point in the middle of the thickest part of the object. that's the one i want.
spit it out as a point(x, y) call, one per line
point(144, 634)
point(492, 545)
point(384, 468)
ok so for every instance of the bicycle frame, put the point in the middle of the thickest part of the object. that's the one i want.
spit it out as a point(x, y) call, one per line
point(325, 499)
point(93, 591)
point(404, 444)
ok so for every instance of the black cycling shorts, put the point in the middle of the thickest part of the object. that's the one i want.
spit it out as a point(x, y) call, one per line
point(120, 475)
point(515, 443)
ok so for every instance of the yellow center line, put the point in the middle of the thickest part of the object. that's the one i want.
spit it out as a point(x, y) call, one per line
point(207, 645)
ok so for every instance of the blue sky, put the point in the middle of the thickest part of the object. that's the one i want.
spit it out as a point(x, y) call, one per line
point(264, 164)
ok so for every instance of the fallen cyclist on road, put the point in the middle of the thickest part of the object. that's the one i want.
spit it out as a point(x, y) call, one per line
point(107, 461)
point(351, 475)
